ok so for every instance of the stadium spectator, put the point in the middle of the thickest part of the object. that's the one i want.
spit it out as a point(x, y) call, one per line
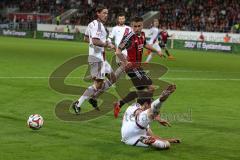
point(193, 15)
point(236, 28)
point(226, 38)
point(58, 20)
point(201, 38)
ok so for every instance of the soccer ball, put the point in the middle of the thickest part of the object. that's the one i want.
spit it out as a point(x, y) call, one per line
point(35, 121)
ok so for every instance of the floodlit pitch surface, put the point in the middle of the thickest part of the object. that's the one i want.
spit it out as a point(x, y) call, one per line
point(204, 110)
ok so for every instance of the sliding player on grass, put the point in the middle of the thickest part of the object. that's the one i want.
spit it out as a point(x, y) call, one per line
point(135, 129)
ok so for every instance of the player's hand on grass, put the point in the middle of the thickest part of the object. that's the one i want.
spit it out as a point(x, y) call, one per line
point(174, 140)
point(162, 121)
point(165, 123)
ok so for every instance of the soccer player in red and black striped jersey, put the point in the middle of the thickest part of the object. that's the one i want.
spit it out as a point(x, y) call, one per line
point(163, 37)
point(134, 42)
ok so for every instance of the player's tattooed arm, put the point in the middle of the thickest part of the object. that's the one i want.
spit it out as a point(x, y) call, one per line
point(98, 42)
point(121, 57)
point(125, 44)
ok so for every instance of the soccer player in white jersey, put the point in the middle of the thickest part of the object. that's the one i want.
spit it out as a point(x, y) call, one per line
point(135, 125)
point(154, 33)
point(96, 34)
point(119, 31)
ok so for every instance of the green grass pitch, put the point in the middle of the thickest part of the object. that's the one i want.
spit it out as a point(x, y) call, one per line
point(208, 85)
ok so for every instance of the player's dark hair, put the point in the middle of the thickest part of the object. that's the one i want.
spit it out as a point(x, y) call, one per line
point(137, 19)
point(144, 97)
point(141, 101)
point(99, 8)
point(155, 19)
point(121, 14)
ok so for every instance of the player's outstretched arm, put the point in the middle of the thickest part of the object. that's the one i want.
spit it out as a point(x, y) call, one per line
point(98, 42)
point(122, 58)
point(156, 105)
point(120, 55)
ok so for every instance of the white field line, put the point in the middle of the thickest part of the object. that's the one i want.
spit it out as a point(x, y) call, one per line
point(176, 78)
point(202, 79)
point(199, 71)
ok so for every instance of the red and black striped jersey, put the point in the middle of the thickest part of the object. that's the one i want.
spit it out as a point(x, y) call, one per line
point(163, 35)
point(134, 44)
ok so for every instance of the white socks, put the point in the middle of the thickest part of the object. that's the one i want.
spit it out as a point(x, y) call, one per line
point(81, 100)
point(149, 57)
point(92, 92)
point(161, 144)
point(87, 94)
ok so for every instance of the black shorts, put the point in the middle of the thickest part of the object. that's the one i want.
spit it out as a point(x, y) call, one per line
point(139, 78)
point(163, 45)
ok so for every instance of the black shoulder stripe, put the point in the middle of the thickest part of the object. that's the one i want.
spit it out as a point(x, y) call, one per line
point(99, 26)
point(128, 36)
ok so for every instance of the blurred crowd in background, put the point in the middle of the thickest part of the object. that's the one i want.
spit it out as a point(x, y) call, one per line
point(190, 15)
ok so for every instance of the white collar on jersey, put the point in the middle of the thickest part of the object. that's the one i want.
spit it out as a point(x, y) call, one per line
point(121, 25)
point(99, 20)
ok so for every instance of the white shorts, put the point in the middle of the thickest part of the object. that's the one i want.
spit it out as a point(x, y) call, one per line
point(156, 46)
point(99, 70)
point(134, 141)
